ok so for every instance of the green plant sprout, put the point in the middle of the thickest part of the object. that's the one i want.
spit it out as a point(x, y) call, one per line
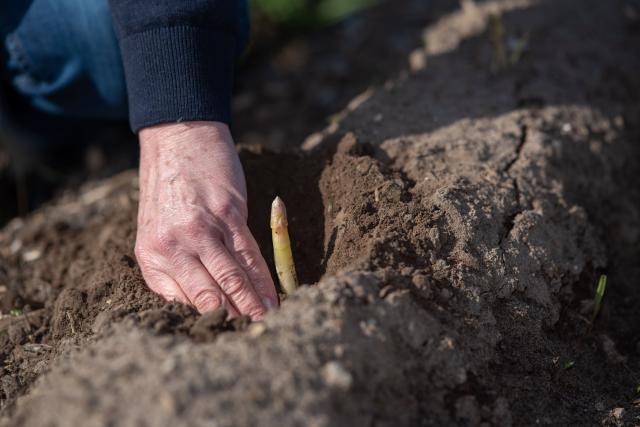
point(497, 35)
point(308, 13)
point(569, 364)
point(597, 300)
point(517, 46)
point(506, 50)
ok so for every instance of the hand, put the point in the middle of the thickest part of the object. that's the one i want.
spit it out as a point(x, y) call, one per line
point(193, 244)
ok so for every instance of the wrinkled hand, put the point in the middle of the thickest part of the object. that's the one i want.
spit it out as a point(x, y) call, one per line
point(193, 244)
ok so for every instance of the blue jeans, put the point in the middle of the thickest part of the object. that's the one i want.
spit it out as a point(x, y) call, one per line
point(63, 56)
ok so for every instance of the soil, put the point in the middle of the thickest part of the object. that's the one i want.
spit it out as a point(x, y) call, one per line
point(451, 223)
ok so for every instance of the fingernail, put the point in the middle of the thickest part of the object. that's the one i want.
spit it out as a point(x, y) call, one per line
point(268, 303)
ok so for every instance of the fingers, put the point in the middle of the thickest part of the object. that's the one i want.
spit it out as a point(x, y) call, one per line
point(246, 252)
point(165, 286)
point(201, 289)
point(222, 267)
point(233, 280)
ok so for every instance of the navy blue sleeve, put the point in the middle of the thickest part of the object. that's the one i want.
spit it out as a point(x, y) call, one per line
point(178, 58)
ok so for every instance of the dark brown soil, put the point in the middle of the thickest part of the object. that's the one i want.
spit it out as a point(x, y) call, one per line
point(454, 220)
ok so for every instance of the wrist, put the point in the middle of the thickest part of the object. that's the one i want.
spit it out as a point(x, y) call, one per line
point(184, 134)
point(199, 153)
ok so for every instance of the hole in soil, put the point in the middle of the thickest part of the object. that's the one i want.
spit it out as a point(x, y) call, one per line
point(339, 210)
point(295, 178)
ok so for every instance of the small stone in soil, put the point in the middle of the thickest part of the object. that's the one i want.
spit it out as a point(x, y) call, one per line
point(384, 292)
point(617, 413)
point(421, 282)
point(256, 329)
point(335, 375)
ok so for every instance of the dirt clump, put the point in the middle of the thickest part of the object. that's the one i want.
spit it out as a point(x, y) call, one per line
point(454, 222)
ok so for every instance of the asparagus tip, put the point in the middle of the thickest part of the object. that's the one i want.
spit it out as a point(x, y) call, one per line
point(278, 213)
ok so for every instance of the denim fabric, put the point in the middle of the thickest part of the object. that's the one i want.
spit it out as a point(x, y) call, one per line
point(63, 55)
